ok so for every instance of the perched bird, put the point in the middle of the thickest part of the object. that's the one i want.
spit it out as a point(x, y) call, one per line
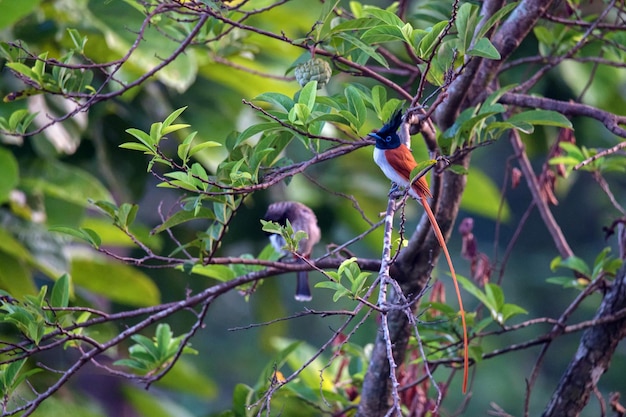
point(301, 218)
point(396, 161)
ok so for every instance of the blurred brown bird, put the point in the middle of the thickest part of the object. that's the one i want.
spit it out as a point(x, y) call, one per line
point(301, 218)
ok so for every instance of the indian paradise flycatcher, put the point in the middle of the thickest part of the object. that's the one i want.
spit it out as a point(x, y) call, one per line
point(397, 162)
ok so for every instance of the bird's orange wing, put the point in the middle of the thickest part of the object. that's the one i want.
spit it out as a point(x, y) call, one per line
point(402, 160)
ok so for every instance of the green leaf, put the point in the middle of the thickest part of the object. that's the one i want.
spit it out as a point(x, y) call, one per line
point(383, 33)
point(565, 282)
point(8, 375)
point(146, 348)
point(299, 114)
point(163, 336)
point(9, 172)
point(429, 41)
point(469, 125)
point(385, 16)
point(156, 132)
point(173, 128)
point(316, 376)
point(119, 23)
point(65, 182)
point(353, 25)
point(40, 66)
point(326, 17)
point(13, 374)
point(511, 310)
point(118, 282)
point(379, 98)
point(78, 40)
point(87, 235)
point(126, 214)
point(23, 70)
point(495, 18)
point(197, 170)
point(256, 129)
point(219, 272)
point(12, 11)
point(364, 48)
point(93, 237)
point(183, 216)
point(60, 296)
point(542, 117)
point(271, 227)
point(471, 288)
point(354, 122)
point(15, 275)
point(308, 94)
point(133, 364)
point(107, 207)
point(280, 100)
point(466, 24)
point(182, 180)
point(422, 165)
point(188, 378)
point(204, 145)
point(544, 35)
point(573, 150)
point(133, 146)
point(495, 295)
point(142, 137)
point(220, 211)
point(482, 196)
point(331, 285)
point(148, 404)
point(574, 263)
point(484, 49)
point(173, 116)
point(605, 264)
point(356, 106)
point(330, 117)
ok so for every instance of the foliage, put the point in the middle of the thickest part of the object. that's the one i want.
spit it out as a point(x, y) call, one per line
point(142, 140)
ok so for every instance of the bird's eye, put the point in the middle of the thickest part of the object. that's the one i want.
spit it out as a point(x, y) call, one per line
point(388, 139)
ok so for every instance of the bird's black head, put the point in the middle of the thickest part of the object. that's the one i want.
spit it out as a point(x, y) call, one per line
point(387, 137)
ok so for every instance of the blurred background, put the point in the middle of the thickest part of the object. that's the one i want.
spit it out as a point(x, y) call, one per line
point(207, 80)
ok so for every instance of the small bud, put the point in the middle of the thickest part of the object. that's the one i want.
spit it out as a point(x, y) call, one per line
point(516, 176)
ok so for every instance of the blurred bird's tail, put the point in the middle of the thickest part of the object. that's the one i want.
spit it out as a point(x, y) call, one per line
point(303, 291)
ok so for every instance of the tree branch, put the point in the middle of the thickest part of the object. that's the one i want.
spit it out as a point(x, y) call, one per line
point(593, 356)
point(611, 121)
point(533, 184)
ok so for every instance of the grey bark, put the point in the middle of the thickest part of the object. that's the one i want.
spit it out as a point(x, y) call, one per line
point(594, 353)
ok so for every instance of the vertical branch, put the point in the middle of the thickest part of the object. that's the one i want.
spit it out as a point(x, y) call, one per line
point(382, 367)
point(593, 356)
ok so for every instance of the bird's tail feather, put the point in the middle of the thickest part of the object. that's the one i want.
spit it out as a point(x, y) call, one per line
point(442, 243)
point(303, 291)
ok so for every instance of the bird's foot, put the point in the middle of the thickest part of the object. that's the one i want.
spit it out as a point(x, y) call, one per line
point(394, 188)
point(395, 191)
point(443, 159)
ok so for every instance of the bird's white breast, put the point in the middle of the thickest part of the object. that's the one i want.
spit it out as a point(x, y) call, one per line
point(278, 243)
point(381, 161)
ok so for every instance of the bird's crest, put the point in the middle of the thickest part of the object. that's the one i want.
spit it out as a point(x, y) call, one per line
point(392, 124)
point(390, 127)
point(387, 136)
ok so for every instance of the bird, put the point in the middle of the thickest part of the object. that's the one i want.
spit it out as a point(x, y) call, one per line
point(396, 161)
point(301, 218)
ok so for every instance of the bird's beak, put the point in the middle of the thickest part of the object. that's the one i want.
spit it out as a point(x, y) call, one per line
point(374, 135)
